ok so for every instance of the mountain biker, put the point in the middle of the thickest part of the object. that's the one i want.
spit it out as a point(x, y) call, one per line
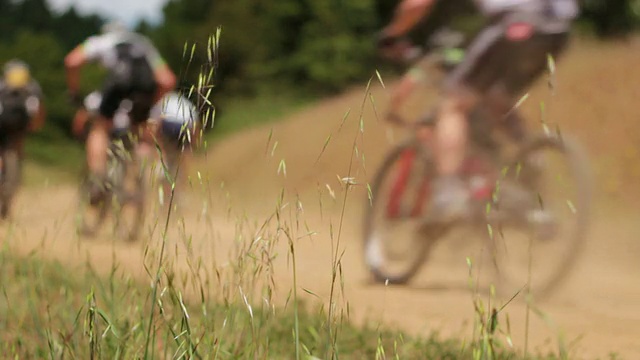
point(136, 72)
point(178, 119)
point(21, 106)
point(501, 63)
point(177, 122)
point(21, 110)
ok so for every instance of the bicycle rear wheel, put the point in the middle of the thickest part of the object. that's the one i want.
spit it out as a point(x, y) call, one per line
point(395, 243)
point(128, 203)
point(90, 217)
point(547, 196)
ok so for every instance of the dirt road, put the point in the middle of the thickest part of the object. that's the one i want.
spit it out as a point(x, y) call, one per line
point(306, 155)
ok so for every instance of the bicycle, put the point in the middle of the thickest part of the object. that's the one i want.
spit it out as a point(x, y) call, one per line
point(506, 196)
point(124, 199)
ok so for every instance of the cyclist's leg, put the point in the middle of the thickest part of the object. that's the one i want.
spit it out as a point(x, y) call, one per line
point(144, 129)
point(502, 106)
point(98, 140)
point(176, 153)
point(535, 50)
point(463, 92)
point(17, 144)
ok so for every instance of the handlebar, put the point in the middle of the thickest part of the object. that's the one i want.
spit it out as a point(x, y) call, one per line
point(442, 51)
point(443, 47)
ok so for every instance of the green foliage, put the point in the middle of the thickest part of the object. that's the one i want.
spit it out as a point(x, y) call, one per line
point(612, 18)
point(50, 311)
point(41, 38)
point(321, 46)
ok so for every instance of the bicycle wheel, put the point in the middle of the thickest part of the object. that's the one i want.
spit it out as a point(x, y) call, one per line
point(547, 196)
point(128, 189)
point(396, 242)
point(90, 217)
point(10, 180)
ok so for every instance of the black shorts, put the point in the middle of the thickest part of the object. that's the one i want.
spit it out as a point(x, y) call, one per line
point(175, 134)
point(140, 93)
point(497, 57)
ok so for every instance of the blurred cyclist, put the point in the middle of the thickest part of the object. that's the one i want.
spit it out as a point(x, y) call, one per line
point(177, 121)
point(500, 64)
point(21, 110)
point(136, 72)
point(21, 106)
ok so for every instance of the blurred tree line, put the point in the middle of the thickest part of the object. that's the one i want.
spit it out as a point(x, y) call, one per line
point(32, 32)
point(310, 46)
point(320, 46)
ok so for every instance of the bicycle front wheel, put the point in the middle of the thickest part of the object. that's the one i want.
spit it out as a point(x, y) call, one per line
point(395, 246)
point(548, 193)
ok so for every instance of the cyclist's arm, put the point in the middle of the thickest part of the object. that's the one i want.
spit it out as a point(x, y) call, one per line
point(164, 76)
point(72, 63)
point(89, 50)
point(407, 15)
point(165, 79)
point(38, 120)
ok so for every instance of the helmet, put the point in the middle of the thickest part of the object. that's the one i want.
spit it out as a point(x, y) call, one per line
point(16, 74)
point(113, 27)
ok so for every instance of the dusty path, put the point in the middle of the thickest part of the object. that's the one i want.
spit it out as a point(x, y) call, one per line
point(599, 304)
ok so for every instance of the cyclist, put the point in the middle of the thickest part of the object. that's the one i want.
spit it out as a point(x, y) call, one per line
point(500, 64)
point(177, 122)
point(21, 110)
point(136, 72)
point(21, 106)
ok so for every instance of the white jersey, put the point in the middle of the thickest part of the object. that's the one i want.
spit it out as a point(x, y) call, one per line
point(562, 9)
point(175, 108)
point(103, 48)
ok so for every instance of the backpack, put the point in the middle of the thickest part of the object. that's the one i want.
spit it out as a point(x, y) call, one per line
point(14, 116)
point(132, 70)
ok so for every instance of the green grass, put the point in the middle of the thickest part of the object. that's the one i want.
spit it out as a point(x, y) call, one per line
point(53, 311)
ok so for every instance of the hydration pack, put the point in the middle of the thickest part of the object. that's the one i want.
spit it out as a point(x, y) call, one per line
point(14, 115)
point(132, 70)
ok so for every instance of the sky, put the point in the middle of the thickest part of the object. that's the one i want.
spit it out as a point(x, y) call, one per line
point(127, 11)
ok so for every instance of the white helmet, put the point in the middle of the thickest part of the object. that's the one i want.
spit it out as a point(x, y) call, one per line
point(114, 26)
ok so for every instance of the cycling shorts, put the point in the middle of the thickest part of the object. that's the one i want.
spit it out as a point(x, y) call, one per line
point(512, 51)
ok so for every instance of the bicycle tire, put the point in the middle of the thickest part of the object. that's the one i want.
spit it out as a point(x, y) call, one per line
point(88, 226)
point(579, 167)
point(371, 255)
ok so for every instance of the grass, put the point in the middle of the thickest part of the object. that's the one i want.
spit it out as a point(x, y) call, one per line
point(51, 311)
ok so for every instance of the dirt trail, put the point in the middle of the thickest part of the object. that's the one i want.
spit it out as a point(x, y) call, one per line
point(246, 173)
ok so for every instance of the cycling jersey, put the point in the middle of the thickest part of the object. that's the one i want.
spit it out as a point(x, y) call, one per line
point(561, 9)
point(175, 108)
point(177, 116)
point(103, 48)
